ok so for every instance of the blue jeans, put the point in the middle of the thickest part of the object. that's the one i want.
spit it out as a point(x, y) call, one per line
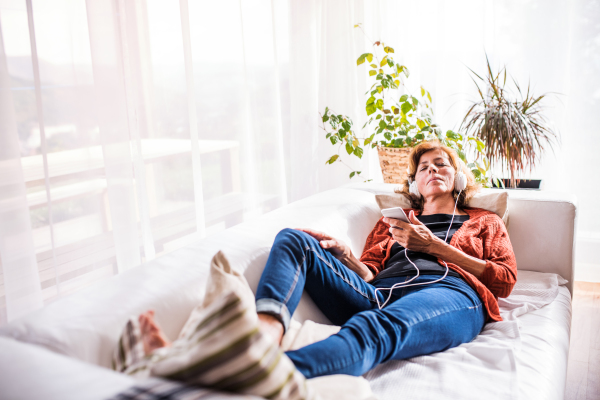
point(418, 320)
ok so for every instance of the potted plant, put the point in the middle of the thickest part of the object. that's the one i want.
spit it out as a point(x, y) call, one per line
point(397, 121)
point(513, 129)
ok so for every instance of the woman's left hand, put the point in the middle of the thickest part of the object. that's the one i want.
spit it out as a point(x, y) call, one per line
point(414, 236)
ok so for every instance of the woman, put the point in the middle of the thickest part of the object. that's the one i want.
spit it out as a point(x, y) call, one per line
point(419, 319)
point(433, 315)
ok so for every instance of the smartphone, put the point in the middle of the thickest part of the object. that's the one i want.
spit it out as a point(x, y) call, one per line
point(395, 212)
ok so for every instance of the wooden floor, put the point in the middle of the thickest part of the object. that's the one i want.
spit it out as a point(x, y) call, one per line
point(583, 374)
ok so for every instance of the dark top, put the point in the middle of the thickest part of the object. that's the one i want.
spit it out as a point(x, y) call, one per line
point(398, 265)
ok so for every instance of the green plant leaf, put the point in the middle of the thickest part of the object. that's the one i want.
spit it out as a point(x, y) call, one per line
point(374, 66)
point(383, 61)
point(403, 98)
point(358, 152)
point(349, 148)
point(388, 135)
point(420, 123)
point(333, 139)
point(332, 159)
point(352, 174)
point(480, 146)
point(371, 100)
point(369, 57)
point(406, 107)
point(379, 104)
point(325, 118)
point(346, 125)
point(422, 91)
point(390, 62)
point(361, 59)
point(451, 135)
point(372, 72)
point(371, 109)
point(429, 96)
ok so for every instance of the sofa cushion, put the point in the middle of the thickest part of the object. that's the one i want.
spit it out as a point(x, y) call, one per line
point(492, 200)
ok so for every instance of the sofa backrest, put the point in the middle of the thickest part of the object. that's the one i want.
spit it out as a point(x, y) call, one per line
point(541, 228)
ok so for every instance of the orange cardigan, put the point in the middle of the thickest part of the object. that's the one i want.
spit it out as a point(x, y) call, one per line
point(483, 236)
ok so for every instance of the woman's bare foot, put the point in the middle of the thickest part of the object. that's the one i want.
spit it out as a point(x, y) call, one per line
point(152, 336)
point(271, 326)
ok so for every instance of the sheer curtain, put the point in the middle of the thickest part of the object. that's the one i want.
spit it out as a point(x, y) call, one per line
point(130, 128)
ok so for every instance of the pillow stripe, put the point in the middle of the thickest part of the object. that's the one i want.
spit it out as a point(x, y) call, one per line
point(230, 351)
point(212, 317)
point(258, 377)
point(244, 374)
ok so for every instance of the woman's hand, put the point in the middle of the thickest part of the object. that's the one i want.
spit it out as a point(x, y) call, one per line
point(417, 237)
point(337, 248)
point(342, 252)
point(414, 236)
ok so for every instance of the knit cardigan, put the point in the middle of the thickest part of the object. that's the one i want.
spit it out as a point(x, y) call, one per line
point(483, 236)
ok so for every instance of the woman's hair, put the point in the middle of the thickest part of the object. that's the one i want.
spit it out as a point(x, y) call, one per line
point(413, 162)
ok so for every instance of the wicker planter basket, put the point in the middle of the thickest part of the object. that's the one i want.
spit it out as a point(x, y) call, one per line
point(393, 162)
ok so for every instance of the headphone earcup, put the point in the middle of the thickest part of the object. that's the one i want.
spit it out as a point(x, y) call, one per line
point(460, 181)
point(414, 189)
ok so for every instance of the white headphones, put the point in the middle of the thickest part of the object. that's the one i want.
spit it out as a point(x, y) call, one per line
point(460, 183)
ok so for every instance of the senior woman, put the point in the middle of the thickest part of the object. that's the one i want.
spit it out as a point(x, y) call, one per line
point(433, 315)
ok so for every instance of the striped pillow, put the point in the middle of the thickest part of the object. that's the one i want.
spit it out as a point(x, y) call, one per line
point(221, 348)
point(130, 350)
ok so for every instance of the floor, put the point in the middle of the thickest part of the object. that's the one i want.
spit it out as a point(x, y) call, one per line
point(583, 373)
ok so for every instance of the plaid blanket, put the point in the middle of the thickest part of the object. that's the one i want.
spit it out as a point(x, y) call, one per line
point(158, 389)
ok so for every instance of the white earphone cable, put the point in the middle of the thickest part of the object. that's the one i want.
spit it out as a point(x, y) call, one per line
point(406, 284)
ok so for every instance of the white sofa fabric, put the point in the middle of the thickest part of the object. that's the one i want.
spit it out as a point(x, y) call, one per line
point(85, 326)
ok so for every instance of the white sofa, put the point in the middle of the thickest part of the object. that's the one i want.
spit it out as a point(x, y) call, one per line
point(63, 351)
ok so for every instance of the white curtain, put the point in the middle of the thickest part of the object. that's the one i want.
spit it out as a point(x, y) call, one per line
point(130, 128)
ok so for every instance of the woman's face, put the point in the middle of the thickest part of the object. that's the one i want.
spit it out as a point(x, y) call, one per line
point(435, 174)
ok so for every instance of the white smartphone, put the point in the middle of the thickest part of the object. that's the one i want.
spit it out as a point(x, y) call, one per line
point(395, 212)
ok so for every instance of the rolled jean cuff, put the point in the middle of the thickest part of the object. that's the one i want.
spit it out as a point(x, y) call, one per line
point(276, 309)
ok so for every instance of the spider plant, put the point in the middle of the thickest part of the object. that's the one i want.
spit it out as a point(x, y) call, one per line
point(514, 130)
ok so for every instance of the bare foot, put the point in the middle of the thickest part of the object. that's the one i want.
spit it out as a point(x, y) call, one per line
point(152, 336)
point(271, 326)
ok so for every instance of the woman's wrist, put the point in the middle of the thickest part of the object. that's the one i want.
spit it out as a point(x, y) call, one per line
point(438, 248)
point(355, 265)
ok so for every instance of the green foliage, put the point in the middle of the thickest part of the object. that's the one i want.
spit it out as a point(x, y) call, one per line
point(396, 117)
point(513, 129)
